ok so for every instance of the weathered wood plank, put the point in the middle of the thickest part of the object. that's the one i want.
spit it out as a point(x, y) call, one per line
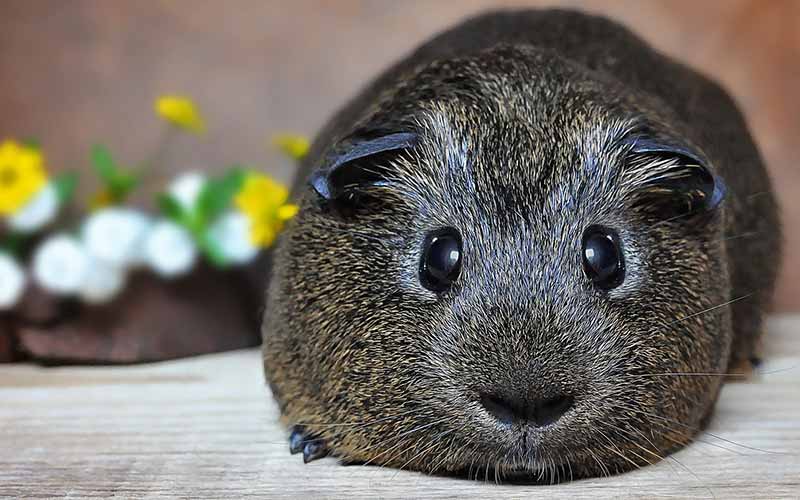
point(205, 427)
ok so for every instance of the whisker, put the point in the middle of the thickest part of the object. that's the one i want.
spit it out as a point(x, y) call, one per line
point(469, 473)
point(704, 311)
point(778, 370)
point(644, 448)
point(743, 235)
point(569, 466)
point(653, 453)
point(614, 449)
point(696, 477)
point(734, 443)
point(356, 424)
point(688, 374)
point(665, 459)
point(755, 195)
point(445, 456)
point(696, 429)
point(686, 439)
point(436, 443)
point(412, 431)
point(603, 468)
point(633, 441)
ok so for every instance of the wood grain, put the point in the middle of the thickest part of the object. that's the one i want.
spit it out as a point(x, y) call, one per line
point(207, 428)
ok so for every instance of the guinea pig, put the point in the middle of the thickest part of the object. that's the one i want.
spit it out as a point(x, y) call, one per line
point(534, 247)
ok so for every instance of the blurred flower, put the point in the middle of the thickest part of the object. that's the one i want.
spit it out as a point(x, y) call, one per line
point(264, 202)
point(102, 282)
point(181, 112)
point(60, 265)
point(115, 235)
point(230, 234)
point(12, 281)
point(292, 145)
point(169, 249)
point(22, 175)
point(39, 211)
point(186, 188)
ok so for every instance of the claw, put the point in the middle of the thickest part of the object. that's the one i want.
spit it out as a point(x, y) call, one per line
point(296, 439)
point(311, 446)
point(314, 450)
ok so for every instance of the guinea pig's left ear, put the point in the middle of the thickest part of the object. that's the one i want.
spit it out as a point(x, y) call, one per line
point(360, 163)
point(673, 181)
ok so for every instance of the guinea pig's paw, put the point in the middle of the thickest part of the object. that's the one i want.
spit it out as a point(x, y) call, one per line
point(312, 447)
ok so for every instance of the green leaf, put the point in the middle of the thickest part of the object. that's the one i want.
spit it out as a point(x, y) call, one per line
point(104, 164)
point(123, 184)
point(218, 194)
point(65, 184)
point(119, 181)
point(213, 253)
point(171, 209)
point(32, 143)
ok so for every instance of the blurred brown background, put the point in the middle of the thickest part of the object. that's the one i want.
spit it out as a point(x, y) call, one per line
point(76, 72)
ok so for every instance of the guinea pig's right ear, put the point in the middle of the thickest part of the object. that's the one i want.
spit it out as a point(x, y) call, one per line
point(673, 181)
point(359, 163)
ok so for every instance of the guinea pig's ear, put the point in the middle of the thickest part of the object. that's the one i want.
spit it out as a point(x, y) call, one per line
point(359, 163)
point(673, 181)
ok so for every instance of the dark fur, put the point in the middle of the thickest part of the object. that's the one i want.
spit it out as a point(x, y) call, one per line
point(523, 119)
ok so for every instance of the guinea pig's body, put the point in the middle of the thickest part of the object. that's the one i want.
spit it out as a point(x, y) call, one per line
point(535, 246)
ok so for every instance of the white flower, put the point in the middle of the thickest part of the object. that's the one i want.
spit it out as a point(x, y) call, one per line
point(40, 210)
point(103, 282)
point(186, 188)
point(169, 249)
point(231, 234)
point(115, 235)
point(12, 281)
point(60, 265)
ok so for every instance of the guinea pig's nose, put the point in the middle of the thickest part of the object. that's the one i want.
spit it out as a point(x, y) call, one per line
point(538, 412)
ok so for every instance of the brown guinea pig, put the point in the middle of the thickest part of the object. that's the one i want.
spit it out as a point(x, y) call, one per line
point(510, 248)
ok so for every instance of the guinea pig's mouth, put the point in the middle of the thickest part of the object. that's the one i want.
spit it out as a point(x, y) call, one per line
point(522, 463)
point(521, 440)
point(555, 437)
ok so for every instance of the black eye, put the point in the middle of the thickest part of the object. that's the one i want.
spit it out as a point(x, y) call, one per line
point(602, 257)
point(441, 259)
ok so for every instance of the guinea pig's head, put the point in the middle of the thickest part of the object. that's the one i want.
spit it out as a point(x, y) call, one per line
point(510, 266)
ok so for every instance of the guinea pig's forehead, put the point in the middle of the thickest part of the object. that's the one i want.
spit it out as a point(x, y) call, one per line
point(519, 156)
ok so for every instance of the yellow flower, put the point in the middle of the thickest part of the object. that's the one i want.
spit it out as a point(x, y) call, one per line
point(294, 146)
point(264, 202)
point(180, 111)
point(22, 175)
point(286, 212)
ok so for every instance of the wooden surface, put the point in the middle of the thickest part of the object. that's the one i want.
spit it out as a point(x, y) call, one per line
point(206, 427)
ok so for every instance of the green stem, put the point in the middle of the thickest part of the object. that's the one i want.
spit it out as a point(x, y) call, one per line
point(153, 164)
point(157, 156)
